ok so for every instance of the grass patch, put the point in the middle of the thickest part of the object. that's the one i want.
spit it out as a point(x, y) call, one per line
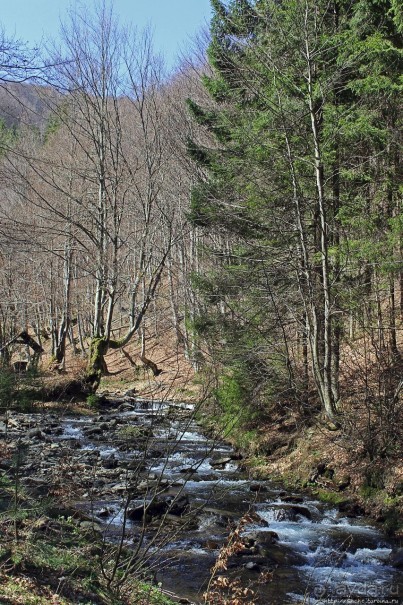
point(55, 562)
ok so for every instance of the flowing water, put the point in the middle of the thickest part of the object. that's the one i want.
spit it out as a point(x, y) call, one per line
point(316, 555)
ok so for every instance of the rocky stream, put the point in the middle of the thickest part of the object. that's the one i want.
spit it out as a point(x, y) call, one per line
point(144, 472)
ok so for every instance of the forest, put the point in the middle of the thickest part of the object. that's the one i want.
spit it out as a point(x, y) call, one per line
point(240, 217)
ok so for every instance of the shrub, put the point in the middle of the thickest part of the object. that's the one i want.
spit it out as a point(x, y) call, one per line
point(92, 400)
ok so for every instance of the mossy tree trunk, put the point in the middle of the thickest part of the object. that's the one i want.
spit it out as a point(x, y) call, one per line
point(100, 345)
point(96, 367)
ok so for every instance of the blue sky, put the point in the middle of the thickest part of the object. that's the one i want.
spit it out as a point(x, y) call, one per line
point(174, 21)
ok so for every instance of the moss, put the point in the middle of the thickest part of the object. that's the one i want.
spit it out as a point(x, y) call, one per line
point(330, 497)
point(96, 366)
point(131, 432)
point(98, 347)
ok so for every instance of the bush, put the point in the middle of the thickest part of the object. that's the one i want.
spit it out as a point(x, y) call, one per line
point(93, 400)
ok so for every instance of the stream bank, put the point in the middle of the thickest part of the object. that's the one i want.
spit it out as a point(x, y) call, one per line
point(303, 453)
point(143, 471)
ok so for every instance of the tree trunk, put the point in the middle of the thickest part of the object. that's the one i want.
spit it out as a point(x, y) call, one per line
point(323, 367)
point(96, 367)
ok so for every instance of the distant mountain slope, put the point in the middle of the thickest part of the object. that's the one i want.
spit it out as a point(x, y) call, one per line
point(22, 103)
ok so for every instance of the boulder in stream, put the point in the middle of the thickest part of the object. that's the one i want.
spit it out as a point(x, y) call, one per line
point(218, 462)
point(396, 558)
point(109, 463)
point(350, 508)
point(260, 538)
point(258, 487)
point(290, 512)
point(155, 508)
point(179, 506)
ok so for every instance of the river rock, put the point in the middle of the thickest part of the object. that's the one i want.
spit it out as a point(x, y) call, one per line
point(92, 430)
point(179, 506)
point(236, 456)
point(156, 508)
point(36, 434)
point(351, 508)
point(262, 538)
point(109, 463)
point(220, 461)
point(91, 526)
point(293, 499)
point(6, 464)
point(396, 558)
point(104, 512)
point(257, 519)
point(126, 407)
point(119, 488)
point(291, 512)
point(277, 554)
point(136, 465)
point(212, 545)
point(303, 511)
point(44, 525)
point(13, 423)
point(152, 453)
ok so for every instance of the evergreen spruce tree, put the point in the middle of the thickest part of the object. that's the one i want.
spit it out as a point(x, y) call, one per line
point(305, 111)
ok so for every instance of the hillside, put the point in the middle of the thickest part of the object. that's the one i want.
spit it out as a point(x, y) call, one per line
point(24, 104)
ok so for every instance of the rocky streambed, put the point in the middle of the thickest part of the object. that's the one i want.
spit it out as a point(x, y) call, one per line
point(143, 474)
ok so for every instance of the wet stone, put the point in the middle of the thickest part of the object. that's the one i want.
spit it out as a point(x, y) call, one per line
point(90, 525)
point(36, 434)
point(109, 463)
point(257, 487)
point(292, 499)
point(351, 509)
point(221, 461)
point(396, 558)
point(291, 512)
point(105, 512)
point(261, 538)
